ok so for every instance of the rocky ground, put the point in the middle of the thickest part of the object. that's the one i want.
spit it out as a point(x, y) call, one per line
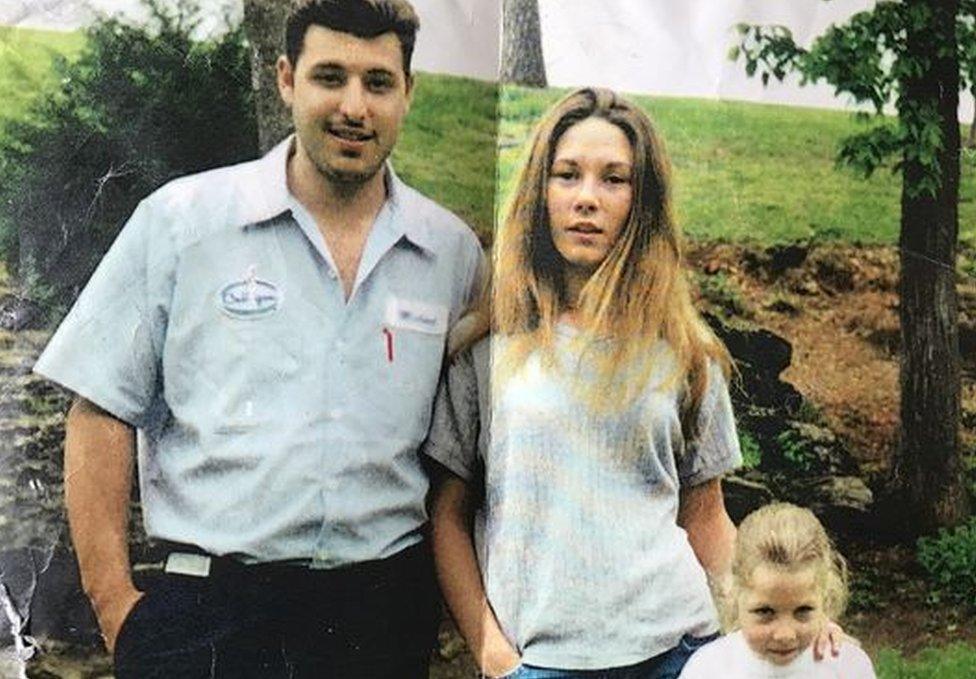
point(822, 411)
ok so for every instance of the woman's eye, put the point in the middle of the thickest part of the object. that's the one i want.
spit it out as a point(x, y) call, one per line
point(564, 174)
point(618, 179)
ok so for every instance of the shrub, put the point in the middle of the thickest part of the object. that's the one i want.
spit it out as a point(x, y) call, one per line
point(751, 452)
point(796, 451)
point(139, 106)
point(949, 560)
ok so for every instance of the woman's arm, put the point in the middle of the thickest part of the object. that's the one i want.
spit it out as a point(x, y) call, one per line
point(460, 578)
point(711, 533)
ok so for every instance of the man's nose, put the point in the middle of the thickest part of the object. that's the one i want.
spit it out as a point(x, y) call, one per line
point(353, 104)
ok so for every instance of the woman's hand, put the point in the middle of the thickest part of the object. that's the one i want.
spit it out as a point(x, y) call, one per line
point(830, 637)
point(498, 658)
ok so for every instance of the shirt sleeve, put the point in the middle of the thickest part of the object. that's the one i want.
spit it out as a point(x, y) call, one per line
point(715, 451)
point(108, 348)
point(858, 663)
point(455, 425)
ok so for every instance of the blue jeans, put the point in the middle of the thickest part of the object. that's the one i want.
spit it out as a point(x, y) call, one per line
point(667, 665)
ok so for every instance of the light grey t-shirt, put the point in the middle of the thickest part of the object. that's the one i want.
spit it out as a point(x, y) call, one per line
point(582, 558)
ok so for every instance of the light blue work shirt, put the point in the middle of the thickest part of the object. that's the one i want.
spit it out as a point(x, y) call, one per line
point(276, 419)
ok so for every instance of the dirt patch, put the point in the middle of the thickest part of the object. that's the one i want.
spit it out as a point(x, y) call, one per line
point(838, 306)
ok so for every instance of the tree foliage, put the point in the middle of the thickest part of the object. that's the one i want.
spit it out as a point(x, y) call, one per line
point(868, 60)
point(907, 52)
point(141, 104)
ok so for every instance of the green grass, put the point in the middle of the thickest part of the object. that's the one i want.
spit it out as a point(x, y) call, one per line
point(957, 661)
point(742, 172)
point(26, 56)
point(447, 147)
point(753, 172)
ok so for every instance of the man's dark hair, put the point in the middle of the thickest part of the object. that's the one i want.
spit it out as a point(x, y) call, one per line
point(362, 18)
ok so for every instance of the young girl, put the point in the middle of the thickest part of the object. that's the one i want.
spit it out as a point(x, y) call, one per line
point(788, 581)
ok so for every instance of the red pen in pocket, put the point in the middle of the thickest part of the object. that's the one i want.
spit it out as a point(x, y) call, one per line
point(388, 337)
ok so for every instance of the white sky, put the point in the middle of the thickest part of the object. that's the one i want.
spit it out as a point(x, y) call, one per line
point(668, 47)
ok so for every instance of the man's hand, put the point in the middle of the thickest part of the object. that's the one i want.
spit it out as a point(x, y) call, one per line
point(98, 458)
point(112, 612)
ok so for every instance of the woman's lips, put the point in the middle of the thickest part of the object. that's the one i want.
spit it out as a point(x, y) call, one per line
point(586, 228)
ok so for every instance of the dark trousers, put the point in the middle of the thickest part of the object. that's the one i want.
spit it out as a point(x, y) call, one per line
point(375, 620)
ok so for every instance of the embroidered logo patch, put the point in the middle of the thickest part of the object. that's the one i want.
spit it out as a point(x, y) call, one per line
point(249, 298)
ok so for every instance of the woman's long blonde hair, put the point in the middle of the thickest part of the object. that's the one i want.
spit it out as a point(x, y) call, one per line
point(638, 296)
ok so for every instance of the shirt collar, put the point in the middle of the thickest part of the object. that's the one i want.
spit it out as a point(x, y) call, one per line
point(266, 196)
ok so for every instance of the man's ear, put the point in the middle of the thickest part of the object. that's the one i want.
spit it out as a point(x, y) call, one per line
point(286, 79)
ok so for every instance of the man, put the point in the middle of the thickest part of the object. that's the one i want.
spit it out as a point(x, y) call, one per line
point(272, 333)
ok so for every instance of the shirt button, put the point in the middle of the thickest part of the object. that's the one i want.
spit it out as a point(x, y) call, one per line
point(332, 274)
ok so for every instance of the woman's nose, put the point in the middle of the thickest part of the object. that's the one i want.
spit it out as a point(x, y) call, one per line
point(585, 201)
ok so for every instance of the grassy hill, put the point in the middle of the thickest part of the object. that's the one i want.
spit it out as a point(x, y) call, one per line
point(742, 171)
point(26, 56)
point(754, 172)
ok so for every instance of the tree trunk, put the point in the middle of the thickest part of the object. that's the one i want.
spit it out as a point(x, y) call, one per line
point(522, 62)
point(928, 467)
point(264, 23)
point(971, 143)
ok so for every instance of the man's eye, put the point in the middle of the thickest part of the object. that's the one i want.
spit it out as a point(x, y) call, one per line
point(330, 79)
point(379, 83)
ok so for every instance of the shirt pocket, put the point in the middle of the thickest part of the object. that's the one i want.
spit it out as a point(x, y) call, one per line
point(405, 381)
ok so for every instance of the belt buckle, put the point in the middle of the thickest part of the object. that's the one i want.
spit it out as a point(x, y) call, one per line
point(184, 563)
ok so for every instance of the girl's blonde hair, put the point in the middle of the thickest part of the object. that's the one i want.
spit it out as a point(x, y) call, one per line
point(638, 296)
point(785, 536)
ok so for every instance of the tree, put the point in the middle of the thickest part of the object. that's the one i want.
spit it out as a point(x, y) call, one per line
point(907, 51)
point(966, 33)
point(139, 106)
point(522, 62)
point(264, 24)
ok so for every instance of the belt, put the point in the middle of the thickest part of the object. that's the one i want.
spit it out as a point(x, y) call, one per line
point(189, 560)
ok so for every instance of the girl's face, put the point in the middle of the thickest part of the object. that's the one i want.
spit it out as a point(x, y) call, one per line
point(781, 612)
point(590, 192)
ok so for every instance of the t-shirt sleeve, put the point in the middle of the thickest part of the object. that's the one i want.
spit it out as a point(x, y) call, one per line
point(108, 348)
point(715, 451)
point(856, 663)
point(700, 665)
point(455, 425)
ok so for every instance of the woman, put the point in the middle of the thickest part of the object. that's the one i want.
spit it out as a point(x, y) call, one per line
point(596, 480)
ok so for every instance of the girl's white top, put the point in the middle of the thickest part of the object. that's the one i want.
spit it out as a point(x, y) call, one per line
point(582, 559)
point(731, 658)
